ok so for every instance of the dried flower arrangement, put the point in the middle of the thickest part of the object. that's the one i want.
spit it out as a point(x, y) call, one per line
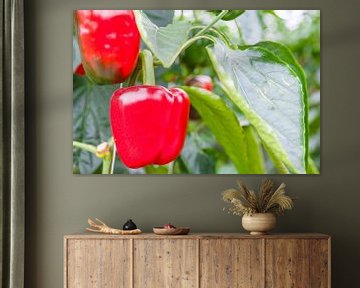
point(267, 200)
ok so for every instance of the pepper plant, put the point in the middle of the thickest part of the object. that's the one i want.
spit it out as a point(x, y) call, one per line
point(194, 92)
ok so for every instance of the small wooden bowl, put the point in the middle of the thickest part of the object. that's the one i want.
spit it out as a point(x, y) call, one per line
point(171, 231)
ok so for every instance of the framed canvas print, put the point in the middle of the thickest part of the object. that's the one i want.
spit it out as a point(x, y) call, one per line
point(196, 92)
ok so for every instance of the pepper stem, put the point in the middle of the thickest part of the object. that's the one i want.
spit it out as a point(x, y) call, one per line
point(147, 67)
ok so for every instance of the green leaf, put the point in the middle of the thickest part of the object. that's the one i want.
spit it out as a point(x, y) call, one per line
point(76, 54)
point(156, 169)
point(120, 168)
point(254, 151)
point(165, 42)
point(231, 15)
point(285, 55)
point(313, 167)
point(226, 168)
point(276, 162)
point(179, 167)
point(90, 121)
point(195, 55)
point(314, 114)
point(160, 17)
point(270, 91)
point(195, 158)
point(227, 130)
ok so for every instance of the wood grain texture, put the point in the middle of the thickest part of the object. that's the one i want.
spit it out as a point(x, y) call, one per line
point(98, 264)
point(231, 263)
point(197, 260)
point(287, 263)
point(319, 263)
point(170, 263)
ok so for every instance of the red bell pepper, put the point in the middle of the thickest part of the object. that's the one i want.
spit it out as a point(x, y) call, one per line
point(80, 70)
point(201, 81)
point(149, 124)
point(109, 43)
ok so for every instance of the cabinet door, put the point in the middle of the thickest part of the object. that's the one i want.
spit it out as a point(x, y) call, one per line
point(287, 263)
point(231, 263)
point(320, 263)
point(98, 263)
point(166, 263)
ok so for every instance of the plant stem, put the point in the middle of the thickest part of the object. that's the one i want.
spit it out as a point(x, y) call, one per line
point(113, 158)
point(212, 23)
point(106, 166)
point(181, 15)
point(195, 16)
point(216, 31)
point(86, 147)
point(134, 75)
point(147, 67)
point(171, 167)
point(240, 32)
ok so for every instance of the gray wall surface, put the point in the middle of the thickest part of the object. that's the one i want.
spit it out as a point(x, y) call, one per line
point(58, 203)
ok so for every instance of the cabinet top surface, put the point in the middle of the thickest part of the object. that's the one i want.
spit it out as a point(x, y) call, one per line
point(87, 235)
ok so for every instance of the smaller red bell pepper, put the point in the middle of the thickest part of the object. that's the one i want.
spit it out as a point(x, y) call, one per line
point(201, 81)
point(149, 124)
point(109, 43)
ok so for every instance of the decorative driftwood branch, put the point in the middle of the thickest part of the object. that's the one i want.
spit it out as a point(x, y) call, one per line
point(101, 227)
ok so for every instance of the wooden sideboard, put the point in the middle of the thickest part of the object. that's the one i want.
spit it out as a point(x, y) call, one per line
point(197, 260)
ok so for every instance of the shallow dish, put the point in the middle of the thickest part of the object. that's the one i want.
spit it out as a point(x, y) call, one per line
point(171, 231)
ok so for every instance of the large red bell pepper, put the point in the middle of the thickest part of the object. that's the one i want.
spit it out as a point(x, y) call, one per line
point(149, 124)
point(109, 43)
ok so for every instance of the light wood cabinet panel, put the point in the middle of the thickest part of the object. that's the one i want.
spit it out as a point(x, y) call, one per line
point(165, 263)
point(287, 263)
point(231, 263)
point(98, 264)
point(197, 261)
